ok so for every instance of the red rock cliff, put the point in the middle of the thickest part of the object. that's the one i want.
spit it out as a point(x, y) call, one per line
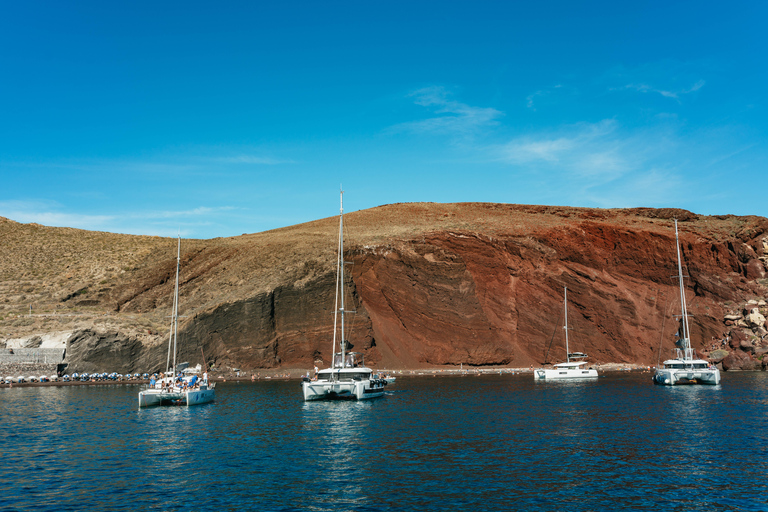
point(494, 296)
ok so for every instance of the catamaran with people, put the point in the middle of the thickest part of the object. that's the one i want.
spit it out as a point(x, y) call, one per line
point(573, 367)
point(348, 377)
point(173, 388)
point(685, 367)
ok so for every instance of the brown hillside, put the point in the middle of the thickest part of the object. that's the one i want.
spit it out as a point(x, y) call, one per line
point(433, 284)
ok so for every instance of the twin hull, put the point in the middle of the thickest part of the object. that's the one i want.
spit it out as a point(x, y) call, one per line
point(150, 397)
point(570, 373)
point(350, 389)
point(674, 376)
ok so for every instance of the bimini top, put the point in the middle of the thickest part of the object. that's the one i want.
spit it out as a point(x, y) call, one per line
point(572, 364)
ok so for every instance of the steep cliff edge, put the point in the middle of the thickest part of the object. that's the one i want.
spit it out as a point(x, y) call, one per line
point(432, 284)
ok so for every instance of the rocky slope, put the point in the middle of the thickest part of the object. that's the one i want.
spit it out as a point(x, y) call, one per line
point(432, 284)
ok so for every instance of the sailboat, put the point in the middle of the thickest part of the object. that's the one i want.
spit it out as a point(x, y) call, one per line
point(685, 367)
point(172, 389)
point(569, 369)
point(348, 377)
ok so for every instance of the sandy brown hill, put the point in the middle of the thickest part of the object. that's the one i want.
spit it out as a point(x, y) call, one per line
point(433, 284)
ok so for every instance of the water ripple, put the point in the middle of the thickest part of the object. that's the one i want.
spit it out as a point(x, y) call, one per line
point(486, 443)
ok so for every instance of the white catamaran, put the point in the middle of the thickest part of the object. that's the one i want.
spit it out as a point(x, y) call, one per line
point(348, 376)
point(685, 367)
point(569, 369)
point(172, 389)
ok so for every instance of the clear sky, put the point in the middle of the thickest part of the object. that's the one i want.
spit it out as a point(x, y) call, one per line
point(223, 118)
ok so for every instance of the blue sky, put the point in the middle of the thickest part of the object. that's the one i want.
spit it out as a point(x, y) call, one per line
point(223, 118)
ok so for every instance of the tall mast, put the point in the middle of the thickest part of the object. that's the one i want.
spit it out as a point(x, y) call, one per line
point(174, 312)
point(565, 305)
point(340, 278)
point(683, 306)
point(176, 305)
point(335, 310)
point(339, 283)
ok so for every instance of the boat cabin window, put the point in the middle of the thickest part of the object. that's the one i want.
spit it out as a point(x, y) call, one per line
point(355, 376)
point(683, 366)
point(328, 376)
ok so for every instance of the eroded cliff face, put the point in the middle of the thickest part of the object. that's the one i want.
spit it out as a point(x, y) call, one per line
point(462, 297)
point(455, 298)
point(90, 351)
point(472, 284)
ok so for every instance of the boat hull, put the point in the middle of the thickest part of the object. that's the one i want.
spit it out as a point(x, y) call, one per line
point(342, 390)
point(200, 396)
point(154, 397)
point(678, 376)
point(564, 374)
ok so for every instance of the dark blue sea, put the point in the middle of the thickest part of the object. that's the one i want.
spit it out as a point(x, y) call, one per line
point(500, 442)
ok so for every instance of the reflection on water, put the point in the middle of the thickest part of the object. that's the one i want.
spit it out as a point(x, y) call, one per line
point(474, 443)
point(338, 429)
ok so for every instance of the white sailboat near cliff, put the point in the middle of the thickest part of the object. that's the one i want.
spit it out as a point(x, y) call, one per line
point(171, 389)
point(569, 369)
point(348, 377)
point(685, 367)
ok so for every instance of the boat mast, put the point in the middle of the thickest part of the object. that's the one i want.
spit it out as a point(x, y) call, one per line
point(174, 311)
point(339, 262)
point(565, 305)
point(176, 305)
point(340, 277)
point(683, 306)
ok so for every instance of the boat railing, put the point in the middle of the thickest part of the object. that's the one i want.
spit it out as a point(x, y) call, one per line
point(684, 354)
point(351, 360)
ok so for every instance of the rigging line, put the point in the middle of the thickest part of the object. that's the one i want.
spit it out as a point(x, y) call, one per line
point(557, 326)
point(572, 318)
point(661, 337)
point(348, 291)
point(336, 291)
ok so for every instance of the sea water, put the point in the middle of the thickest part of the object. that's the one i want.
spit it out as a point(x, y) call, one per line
point(491, 442)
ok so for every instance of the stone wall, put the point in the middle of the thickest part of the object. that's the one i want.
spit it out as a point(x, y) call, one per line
point(45, 356)
point(28, 369)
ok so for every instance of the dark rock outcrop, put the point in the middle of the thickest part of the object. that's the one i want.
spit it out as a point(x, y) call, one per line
point(91, 351)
